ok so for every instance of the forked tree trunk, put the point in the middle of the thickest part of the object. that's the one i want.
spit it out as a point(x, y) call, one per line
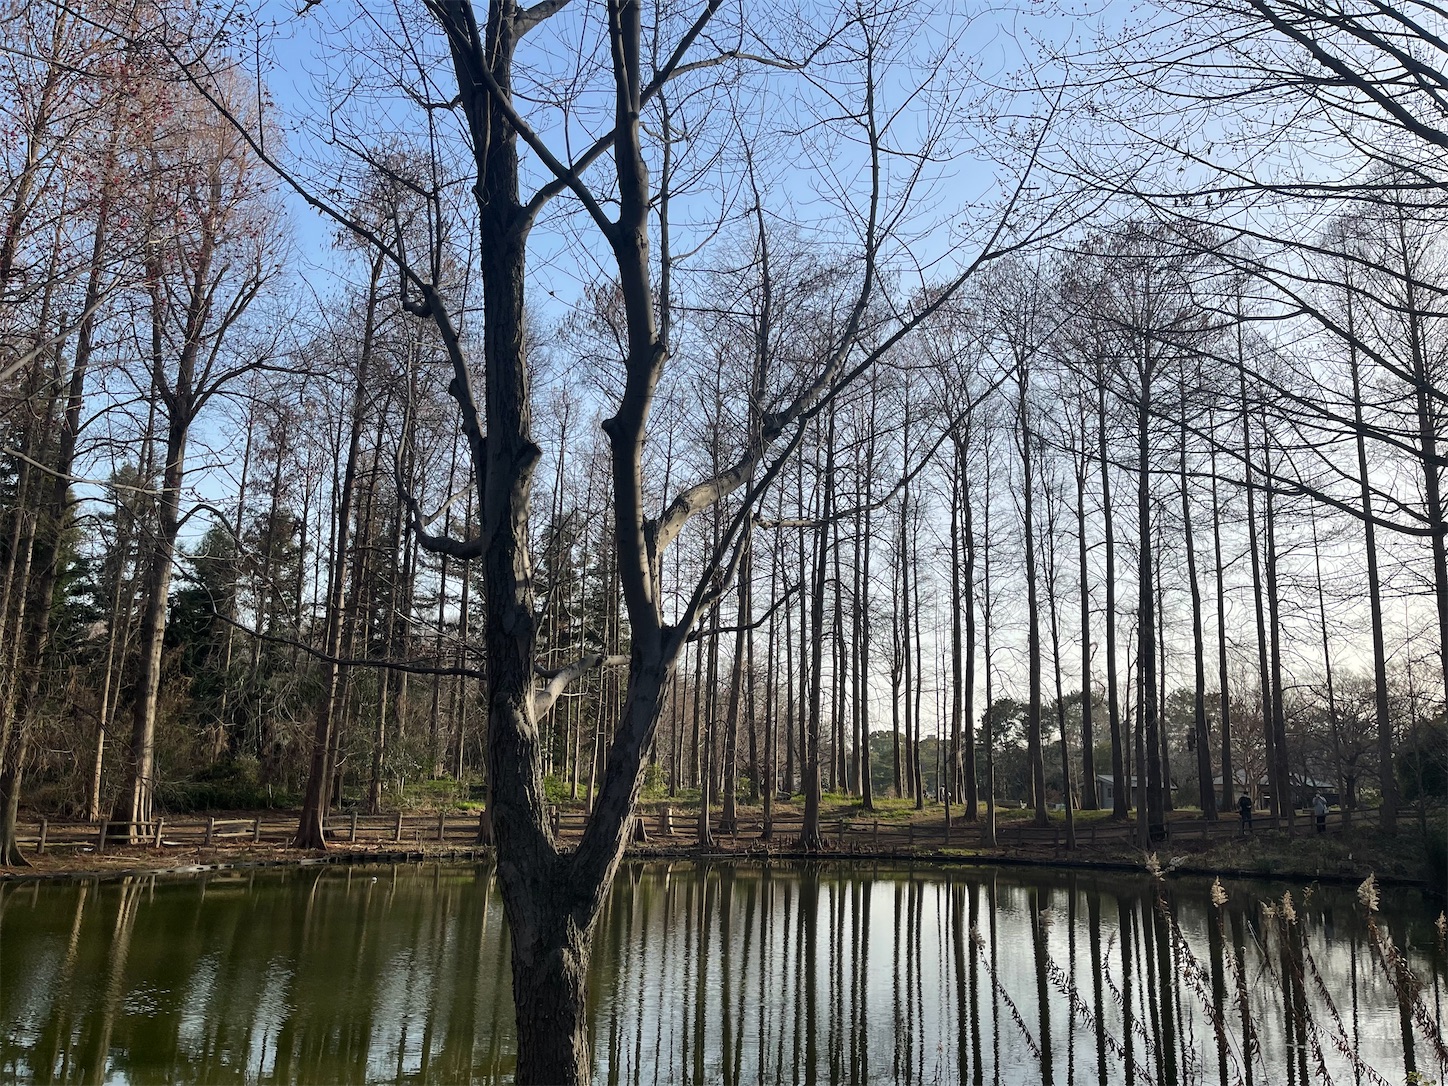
point(550, 981)
point(552, 898)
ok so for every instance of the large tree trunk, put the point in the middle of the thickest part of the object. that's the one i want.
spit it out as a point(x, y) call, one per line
point(550, 954)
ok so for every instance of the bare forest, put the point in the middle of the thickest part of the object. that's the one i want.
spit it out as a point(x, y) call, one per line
point(590, 405)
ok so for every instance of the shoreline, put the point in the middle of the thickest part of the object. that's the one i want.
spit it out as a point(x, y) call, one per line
point(240, 859)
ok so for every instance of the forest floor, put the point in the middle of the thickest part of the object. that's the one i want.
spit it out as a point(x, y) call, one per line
point(894, 830)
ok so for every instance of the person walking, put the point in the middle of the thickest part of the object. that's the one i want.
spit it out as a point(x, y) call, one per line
point(1244, 812)
point(1319, 808)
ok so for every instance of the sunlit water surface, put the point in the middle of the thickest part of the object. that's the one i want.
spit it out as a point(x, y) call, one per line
point(720, 973)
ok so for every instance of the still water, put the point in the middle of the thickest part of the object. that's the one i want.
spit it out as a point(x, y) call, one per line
point(724, 973)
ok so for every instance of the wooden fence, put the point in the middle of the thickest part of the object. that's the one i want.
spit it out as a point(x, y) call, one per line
point(847, 835)
point(279, 829)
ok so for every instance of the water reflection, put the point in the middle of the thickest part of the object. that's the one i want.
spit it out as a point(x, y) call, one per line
point(723, 973)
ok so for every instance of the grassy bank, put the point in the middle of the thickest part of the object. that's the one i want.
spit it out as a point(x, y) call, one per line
point(894, 828)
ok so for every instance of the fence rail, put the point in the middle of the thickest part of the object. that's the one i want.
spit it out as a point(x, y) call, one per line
point(665, 825)
point(44, 835)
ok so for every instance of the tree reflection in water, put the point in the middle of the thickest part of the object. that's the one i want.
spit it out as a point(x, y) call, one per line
point(730, 973)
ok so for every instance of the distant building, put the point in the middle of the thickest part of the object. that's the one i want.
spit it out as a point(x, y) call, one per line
point(1261, 792)
point(1106, 790)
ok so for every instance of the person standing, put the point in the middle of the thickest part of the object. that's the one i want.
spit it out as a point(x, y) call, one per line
point(1244, 812)
point(1319, 808)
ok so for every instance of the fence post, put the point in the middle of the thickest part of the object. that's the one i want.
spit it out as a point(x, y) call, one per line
point(160, 825)
point(210, 829)
point(353, 832)
point(256, 831)
point(441, 823)
point(101, 841)
point(875, 835)
point(397, 836)
point(44, 829)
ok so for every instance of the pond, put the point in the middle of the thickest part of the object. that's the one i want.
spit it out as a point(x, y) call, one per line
point(708, 973)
